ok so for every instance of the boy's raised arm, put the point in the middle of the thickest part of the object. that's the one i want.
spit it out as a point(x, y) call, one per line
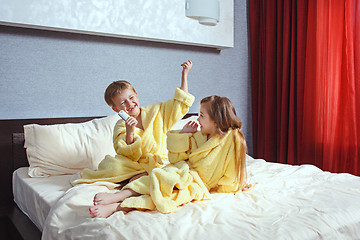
point(186, 69)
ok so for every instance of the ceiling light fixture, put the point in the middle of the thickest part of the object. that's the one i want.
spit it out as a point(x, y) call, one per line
point(207, 12)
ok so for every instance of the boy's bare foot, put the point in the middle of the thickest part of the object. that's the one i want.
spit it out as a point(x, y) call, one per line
point(103, 211)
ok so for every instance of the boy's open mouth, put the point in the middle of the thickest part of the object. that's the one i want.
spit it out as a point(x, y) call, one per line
point(131, 109)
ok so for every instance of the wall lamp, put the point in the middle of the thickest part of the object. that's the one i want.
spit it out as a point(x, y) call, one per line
point(207, 12)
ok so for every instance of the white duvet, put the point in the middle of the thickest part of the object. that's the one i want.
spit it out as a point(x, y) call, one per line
point(285, 202)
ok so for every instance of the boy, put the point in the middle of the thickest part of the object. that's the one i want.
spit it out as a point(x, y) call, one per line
point(140, 141)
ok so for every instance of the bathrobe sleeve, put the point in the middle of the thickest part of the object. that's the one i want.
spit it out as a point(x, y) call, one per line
point(181, 145)
point(174, 109)
point(178, 145)
point(132, 151)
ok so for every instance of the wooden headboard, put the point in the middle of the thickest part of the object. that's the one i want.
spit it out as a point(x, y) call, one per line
point(12, 152)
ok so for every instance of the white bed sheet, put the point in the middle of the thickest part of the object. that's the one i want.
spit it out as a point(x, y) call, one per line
point(285, 202)
point(35, 196)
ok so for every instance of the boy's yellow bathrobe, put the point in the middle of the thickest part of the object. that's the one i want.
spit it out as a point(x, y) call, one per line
point(149, 148)
point(197, 165)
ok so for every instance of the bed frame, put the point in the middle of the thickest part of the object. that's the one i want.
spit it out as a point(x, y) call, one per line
point(13, 156)
point(15, 225)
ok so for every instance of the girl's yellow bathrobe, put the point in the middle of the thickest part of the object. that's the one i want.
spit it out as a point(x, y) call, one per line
point(149, 148)
point(197, 165)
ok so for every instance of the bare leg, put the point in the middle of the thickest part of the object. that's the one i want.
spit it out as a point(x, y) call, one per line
point(138, 176)
point(108, 198)
point(104, 211)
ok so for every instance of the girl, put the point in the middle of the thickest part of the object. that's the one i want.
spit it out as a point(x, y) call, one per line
point(213, 158)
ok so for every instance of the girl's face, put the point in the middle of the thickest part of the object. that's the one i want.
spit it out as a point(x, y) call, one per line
point(207, 125)
point(128, 101)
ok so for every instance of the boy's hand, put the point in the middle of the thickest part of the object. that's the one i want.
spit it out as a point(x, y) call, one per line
point(130, 124)
point(190, 127)
point(186, 67)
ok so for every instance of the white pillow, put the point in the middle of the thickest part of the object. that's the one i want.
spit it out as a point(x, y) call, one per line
point(68, 148)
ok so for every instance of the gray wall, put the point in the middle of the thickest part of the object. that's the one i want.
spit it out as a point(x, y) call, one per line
point(47, 74)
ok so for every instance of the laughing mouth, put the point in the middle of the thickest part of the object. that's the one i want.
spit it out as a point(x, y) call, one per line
point(130, 109)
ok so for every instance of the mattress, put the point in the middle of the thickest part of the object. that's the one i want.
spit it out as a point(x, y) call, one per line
point(36, 196)
point(284, 202)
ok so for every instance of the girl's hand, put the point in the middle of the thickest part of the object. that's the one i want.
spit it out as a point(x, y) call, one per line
point(186, 67)
point(190, 127)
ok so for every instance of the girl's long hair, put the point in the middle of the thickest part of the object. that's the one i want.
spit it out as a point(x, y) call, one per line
point(222, 112)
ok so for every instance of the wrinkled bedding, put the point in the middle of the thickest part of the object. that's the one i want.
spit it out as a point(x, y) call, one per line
point(284, 202)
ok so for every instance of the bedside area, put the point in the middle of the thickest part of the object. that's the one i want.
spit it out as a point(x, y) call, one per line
point(14, 225)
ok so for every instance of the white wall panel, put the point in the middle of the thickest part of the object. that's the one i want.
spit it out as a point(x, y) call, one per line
point(154, 20)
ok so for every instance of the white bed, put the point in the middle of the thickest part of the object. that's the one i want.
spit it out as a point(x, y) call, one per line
point(284, 202)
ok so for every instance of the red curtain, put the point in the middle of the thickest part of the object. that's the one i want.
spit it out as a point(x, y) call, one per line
point(305, 75)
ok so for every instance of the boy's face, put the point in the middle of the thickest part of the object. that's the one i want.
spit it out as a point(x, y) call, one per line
point(128, 101)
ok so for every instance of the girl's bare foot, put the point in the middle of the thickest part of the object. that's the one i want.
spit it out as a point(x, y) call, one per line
point(108, 198)
point(104, 211)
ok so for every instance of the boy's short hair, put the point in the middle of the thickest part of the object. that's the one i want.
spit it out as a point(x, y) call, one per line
point(115, 88)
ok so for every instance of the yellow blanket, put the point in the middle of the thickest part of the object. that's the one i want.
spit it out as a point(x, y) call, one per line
point(196, 166)
point(149, 148)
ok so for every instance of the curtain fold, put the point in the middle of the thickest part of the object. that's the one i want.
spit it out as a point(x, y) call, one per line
point(278, 41)
point(305, 76)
